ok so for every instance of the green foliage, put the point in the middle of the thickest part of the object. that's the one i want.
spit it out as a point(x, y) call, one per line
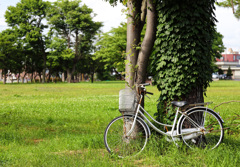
point(27, 17)
point(70, 39)
point(68, 17)
point(112, 48)
point(114, 2)
point(220, 71)
point(27, 20)
point(234, 4)
point(73, 23)
point(104, 75)
point(229, 72)
point(217, 45)
point(184, 40)
point(11, 52)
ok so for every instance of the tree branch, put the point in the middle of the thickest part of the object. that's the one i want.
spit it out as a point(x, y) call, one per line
point(148, 42)
point(232, 6)
point(143, 12)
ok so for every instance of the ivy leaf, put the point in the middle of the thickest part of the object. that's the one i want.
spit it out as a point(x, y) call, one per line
point(184, 50)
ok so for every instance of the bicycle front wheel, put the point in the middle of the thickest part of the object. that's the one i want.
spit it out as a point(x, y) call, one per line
point(207, 123)
point(118, 143)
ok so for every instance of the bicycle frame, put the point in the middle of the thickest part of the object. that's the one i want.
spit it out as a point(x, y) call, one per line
point(172, 133)
point(127, 135)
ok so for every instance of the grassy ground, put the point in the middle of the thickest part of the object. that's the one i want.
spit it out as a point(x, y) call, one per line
point(63, 125)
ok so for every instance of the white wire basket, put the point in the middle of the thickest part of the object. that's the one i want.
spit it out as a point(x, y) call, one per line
point(127, 100)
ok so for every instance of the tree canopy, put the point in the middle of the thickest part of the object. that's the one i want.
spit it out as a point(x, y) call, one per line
point(234, 4)
point(27, 19)
point(74, 22)
point(57, 36)
point(112, 48)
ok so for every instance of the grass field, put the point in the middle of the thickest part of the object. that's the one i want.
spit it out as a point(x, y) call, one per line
point(63, 125)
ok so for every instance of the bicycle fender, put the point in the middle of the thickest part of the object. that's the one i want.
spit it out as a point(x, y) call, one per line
point(197, 108)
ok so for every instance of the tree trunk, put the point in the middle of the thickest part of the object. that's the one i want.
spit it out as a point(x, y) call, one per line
point(31, 78)
point(69, 76)
point(92, 77)
point(35, 77)
point(49, 74)
point(70, 72)
point(1, 75)
point(12, 79)
point(57, 75)
point(134, 29)
point(137, 60)
point(23, 76)
point(148, 43)
point(79, 77)
point(195, 96)
point(4, 76)
point(44, 75)
point(44, 66)
point(40, 77)
point(63, 77)
point(18, 77)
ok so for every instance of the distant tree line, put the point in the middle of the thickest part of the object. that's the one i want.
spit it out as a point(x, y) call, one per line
point(58, 37)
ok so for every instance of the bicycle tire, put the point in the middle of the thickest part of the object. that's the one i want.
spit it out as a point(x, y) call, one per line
point(118, 144)
point(209, 123)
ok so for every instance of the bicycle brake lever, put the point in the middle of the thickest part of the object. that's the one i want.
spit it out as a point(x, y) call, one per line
point(147, 96)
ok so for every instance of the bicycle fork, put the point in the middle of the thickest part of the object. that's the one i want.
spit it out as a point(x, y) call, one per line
point(134, 122)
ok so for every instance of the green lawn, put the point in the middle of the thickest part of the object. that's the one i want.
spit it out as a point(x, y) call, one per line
point(63, 124)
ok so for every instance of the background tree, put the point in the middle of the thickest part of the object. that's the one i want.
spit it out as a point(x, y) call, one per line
point(217, 45)
point(27, 17)
point(234, 4)
point(8, 51)
point(217, 49)
point(138, 52)
point(112, 48)
point(229, 73)
point(220, 71)
point(59, 52)
point(18, 57)
point(74, 22)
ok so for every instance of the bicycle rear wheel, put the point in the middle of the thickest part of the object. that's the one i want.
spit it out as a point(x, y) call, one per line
point(118, 143)
point(209, 125)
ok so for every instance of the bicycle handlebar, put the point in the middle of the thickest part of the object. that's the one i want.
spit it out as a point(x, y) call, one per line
point(149, 93)
point(142, 86)
point(145, 84)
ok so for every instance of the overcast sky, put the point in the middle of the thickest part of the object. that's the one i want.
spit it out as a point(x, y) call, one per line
point(227, 24)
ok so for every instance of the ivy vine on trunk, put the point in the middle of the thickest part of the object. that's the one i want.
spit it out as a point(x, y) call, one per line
point(183, 51)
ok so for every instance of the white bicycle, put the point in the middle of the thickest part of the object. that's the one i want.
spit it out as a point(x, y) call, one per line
point(127, 135)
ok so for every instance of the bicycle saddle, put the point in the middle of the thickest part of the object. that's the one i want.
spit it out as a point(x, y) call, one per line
point(179, 103)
